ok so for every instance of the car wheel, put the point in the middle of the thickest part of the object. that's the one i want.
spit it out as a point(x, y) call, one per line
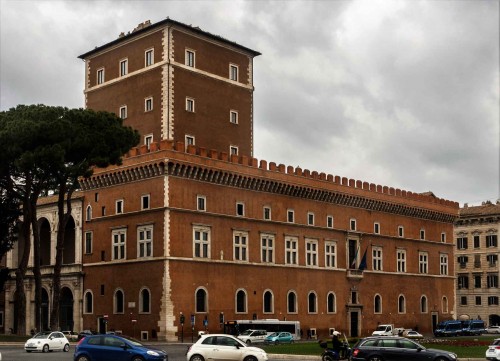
point(196, 358)
point(291, 341)
point(375, 358)
point(250, 358)
point(249, 342)
point(328, 358)
point(82, 358)
point(28, 351)
point(440, 359)
point(66, 347)
point(45, 348)
point(137, 358)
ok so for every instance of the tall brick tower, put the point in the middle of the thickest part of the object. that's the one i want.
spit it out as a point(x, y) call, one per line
point(172, 81)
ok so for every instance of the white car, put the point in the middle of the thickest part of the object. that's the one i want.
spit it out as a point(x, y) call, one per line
point(493, 329)
point(493, 351)
point(223, 347)
point(412, 334)
point(47, 341)
point(253, 336)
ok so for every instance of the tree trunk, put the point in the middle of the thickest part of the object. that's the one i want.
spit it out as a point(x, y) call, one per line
point(36, 267)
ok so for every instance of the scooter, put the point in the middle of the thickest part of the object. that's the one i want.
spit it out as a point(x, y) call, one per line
point(330, 354)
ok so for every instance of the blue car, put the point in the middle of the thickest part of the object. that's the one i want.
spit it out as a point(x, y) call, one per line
point(279, 337)
point(116, 348)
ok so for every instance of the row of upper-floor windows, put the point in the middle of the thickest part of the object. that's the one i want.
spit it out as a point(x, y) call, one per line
point(490, 240)
point(491, 260)
point(191, 140)
point(201, 205)
point(478, 301)
point(118, 301)
point(144, 203)
point(477, 279)
point(149, 59)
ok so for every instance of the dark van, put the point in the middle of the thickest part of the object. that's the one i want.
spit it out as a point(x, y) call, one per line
point(474, 327)
point(449, 328)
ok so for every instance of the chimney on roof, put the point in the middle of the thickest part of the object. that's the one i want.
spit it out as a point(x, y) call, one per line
point(141, 26)
point(466, 205)
point(122, 34)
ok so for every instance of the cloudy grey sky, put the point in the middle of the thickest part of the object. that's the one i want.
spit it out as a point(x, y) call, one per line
point(399, 93)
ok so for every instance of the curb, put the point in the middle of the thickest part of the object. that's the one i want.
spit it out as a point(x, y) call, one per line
point(275, 356)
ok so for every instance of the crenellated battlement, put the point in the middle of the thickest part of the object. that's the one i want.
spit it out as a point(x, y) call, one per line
point(168, 145)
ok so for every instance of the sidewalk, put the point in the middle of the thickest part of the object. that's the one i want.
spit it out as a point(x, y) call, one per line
point(274, 356)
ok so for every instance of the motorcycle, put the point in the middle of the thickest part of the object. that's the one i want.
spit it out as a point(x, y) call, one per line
point(330, 354)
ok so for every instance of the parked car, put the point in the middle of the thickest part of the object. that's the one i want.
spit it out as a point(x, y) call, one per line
point(47, 341)
point(395, 348)
point(85, 333)
point(116, 348)
point(493, 329)
point(279, 337)
point(493, 351)
point(223, 347)
point(253, 336)
point(412, 334)
point(70, 335)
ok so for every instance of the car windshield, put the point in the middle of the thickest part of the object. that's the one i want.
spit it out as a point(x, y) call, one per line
point(381, 328)
point(246, 333)
point(42, 335)
point(133, 341)
point(275, 334)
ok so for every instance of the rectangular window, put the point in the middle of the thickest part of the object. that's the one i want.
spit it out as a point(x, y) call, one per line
point(491, 240)
point(103, 210)
point(267, 213)
point(377, 259)
point(401, 231)
point(401, 260)
point(149, 57)
point(123, 67)
point(233, 150)
point(463, 282)
point(492, 280)
point(462, 243)
point(145, 202)
point(189, 139)
point(240, 243)
point(329, 221)
point(190, 105)
point(310, 219)
point(201, 242)
point(119, 206)
point(119, 239)
point(233, 72)
point(423, 259)
point(477, 281)
point(443, 264)
point(462, 261)
point(463, 301)
point(102, 290)
point(145, 241)
point(88, 242)
point(190, 54)
point(201, 203)
point(100, 76)
point(240, 209)
point(492, 300)
point(492, 259)
point(422, 234)
point(311, 252)
point(291, 249)
point(123, 112)
point(330, 254)
point(376, 228)
point(290, 216)
point(443, 237)
point(267, 248)
point(233, 116)
point(477, 261)
point(352, 223)
point(477, 242)
point(148, 139)
point(478, 301)
point(148, 104)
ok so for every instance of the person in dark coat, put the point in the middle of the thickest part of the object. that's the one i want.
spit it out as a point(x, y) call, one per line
point(337, 344)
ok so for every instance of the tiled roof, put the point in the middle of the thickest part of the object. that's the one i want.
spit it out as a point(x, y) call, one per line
point(487, 208)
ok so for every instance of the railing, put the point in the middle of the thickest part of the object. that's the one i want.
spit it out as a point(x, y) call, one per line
point(354, 273)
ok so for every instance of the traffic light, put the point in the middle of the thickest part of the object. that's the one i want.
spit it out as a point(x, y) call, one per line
point(182, 319)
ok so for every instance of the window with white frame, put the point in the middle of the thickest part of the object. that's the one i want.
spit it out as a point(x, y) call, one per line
point(311, 252)
point(148, 139)
point(233, 150)
point(377, 304)
point(331, 303)
point(149, 57)
point(491, 240)
point(123, 112)
point(190, 58)
point(401, 260)
point(88, 213)
point(401, 304)
point(145, 241)
point(123, 67)
point(201, 203)
point(233, 72)
point(189, 139)
point(148, 104)
point(233, 116)
point(423, 304)
point(377, 259)
point(266, 213)
point(401, 231)
point(145, 203)
point(100, 76)
point(268, 302)
point(462, 243)
point(376, 228)
point(240, 209)
point(88, 302)
point(119, 206)
point(422, 234)
point(291, 249)
point(201, 300)
point(290, 216)
point(291, 302)
point(240, 246)
point(443, 264)
point(190, 105)
point(201, 242)
point(329, 221)
point(118, 301)
point(88, 242)
point(241, 301)
point(330, 254)
point(423, 261)
point(119, 239)
point(352, 224)
point(267, 248)
point(312, 302)
point(310, 218)
point(144, 301)
point(443, 237)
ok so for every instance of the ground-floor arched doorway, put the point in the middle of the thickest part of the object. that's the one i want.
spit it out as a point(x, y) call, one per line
point(493, 320)
point(44, 319)
point(66, 321)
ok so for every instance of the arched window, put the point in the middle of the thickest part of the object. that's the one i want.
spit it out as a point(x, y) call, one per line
point(144, 301)
point(119, 302)
point(292, 302)
point(401, 304)
point(88, 306)
point(312, 302)
point(201, 300)
point(268, 302)
point(331, 306)
point(241, 301)
point(445, 304)
point(88, 213)
point(423, 304)
point(377, 304)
